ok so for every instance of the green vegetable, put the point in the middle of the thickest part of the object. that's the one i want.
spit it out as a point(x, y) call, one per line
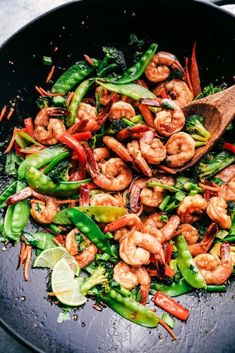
point(116, 126)
point(194, 126)
point(168, 320)
point(47, 60)
point(134, 72)
point(41, 158)
point(130, 309)
point(71, 77)
point(222, 233)
point(51, 166)
point(40, 240)
point(97, 277)
point(210, 165)
point(216, 289)
point(174, 289)
point(113, 59)
point(193, 187)
point(79, 93)
point(211, 89)
point(9, 191)
point(28, 138)
point(88, 227)
point(153, 184)
point(59, 101)
point(187, 266)
point(60, 170)
point(132, 90)
point(12, 163)
point(231, 208)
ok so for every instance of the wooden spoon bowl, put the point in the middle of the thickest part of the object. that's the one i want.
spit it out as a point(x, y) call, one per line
point(218, 111)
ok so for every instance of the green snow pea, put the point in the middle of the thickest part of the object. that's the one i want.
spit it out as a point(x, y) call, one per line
point(9, 191)
point(174, 289)
point(40, 240)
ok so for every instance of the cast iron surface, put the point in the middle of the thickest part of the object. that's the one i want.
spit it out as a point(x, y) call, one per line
point(84, 27)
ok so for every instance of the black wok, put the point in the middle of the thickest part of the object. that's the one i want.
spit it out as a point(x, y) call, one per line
point(83, 27)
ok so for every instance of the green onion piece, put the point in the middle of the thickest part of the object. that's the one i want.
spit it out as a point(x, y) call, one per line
point(221, 234)
point(28, 138)
point(138, 119)
point(128, 122)
point(164, 203)
point(103, 257)
point(168, 320)
point(153, 184)
point(216, 289)
point(54, 228)
point(180, 195)
point(109, 235)
point(59, 101)
point(47, 60)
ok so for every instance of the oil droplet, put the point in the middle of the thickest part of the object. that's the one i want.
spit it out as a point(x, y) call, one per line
point(75, 317)
point(83, 324)
point(23, 298)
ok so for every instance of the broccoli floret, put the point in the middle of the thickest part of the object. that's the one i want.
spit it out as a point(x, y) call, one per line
point(98, 277)
point(116, 126)
point(211, 89)
point(59, 171)
point(43, 102)
point(194, 126)
point(210, 165)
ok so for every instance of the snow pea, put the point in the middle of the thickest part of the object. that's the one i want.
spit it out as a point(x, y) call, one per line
point(174, 289)
point(102, 214)
point(134, 72)
point(40, 240)
point(56, 161)
point(130, 309)
point(71, 77)
point(132, 90)
point(41, 158)
point(88, 227)
point(187, 266)
point(9, 191)
point(79, 93)
point(16, 216)
point(69, 188)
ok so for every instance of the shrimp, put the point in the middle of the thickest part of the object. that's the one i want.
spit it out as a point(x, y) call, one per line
point(136, 247)
point(161, 230)
point(216, 210)
point(105, 95)
point(88, 112)
point(168, 122)
point(101, 153)
point(117, 147)
point(212, 272)
point(114, 175)
point(124, 225)
point(87, 255)
point(189, 232)
point(134, 150)
point(191, 207)
point(144, 281)
point(227, 189)
point(71, 244)
point(44, 211)
point(152, 148)
point(180, 149)
point(120, 110)
point(177, 90)
point(204, 245)
point(104, 199)
point(159, 67)
point(48, 130)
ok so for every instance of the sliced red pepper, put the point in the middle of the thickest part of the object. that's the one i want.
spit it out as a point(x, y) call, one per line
point(28, 122)
point(171, 306)
point(75, 145)
point(194, 73)
point(83, 136)
point(84, 199)
point(188, 80)
point(147, 115)
point(169, 272)
point(169, 251)
point(17, 150)
point(229, 147)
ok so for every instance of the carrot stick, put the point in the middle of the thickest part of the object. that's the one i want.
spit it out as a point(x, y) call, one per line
point(50, 74)
point(89, 60)
point(189, 83)
point(11, 111)
point(22, 254)
point(3, 112)
point(147, 115)
point(208, 187)
point(62, 202)
point(70, 96)
point(11, 144)
point(169, 330)
point(27, 263)
point(45, 93)
point(194, 73)
point(167, 169)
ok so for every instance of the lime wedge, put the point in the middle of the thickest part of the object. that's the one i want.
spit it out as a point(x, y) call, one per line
point(65, 286)
point(49, 257)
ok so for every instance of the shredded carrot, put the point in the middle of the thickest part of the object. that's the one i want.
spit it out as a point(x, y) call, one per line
point(3, 112)
point(22, 254)
point(73, 203)
point(167, 169)
point(54, 294)
point(169, 330)
point(27, 263)
point(147, 115)
point(208, 187)
point(194, 73)
point(55, 49)
point(189, 83)
point(11, 111)
point(70, 97)
point(142, 83)
point(45, 93)
point(49, 77)
point(11, 144)
point(57, 242)
point(89, 60)
point(62, 202)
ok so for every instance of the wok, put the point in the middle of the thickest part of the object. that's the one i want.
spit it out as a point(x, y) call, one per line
point(83, 27)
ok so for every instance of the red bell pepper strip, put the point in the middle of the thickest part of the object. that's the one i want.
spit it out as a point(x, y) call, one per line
point(75, 145)
point(188, 80)
point(147, 115)
point(171, 306)
point(194, 73)
point(78, 126)
point(169, 251)
point(229, 147)
point(169, 272)
point(83, 136)
point(84, 199)
point(29, 126)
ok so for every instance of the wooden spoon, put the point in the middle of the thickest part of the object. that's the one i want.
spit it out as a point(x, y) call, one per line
point(218, 111)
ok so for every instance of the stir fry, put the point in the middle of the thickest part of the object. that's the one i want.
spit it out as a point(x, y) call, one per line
point(95, 172)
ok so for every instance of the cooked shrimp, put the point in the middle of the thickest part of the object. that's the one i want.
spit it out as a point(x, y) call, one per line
point(105, 95)
point(190, 208)
point(70, 243)
point(136, 247)
point(161, 230)
point(124, 225)
point(87, 255)
point(44, 211)
point(117, 147)
point(180, 149)
point(189, 232)
point(47, 129)
point(168, 122)
point(209, 268)
point(114, 175)
point(159, 67)
point(227, 189)
point(177, 90)
point(101, 153)
point(144, 281)
point(88, 112)
point(134, 150)
point(152, 148)
point(120, 110)
point(104, 199)
point(217, 211)
point(204, 245)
